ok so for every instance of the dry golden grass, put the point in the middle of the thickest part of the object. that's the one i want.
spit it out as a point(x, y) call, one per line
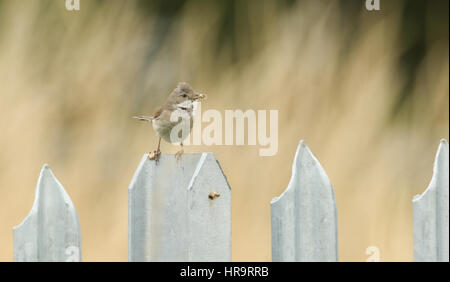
point(70, 81)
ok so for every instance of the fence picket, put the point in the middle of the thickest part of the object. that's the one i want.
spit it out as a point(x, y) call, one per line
point(172, 217)
point(431, 212)
point(51, 231)
point(304, 216)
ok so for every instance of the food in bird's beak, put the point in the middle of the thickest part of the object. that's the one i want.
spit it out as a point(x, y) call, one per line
point(200, 96)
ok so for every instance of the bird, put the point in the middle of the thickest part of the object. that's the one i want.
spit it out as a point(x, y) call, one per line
point(177, 109)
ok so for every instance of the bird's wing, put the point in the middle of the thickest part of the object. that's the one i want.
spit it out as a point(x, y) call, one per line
point(158, 112)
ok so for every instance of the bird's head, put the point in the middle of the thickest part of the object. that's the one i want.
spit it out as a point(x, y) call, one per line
point(184, 93)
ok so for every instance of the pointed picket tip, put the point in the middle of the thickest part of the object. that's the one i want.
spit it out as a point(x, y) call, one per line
point(304, 216)
point(440, 169)
point(207, 161)
point(431, 212)
point(304, 159)
point(46, 176)
point(55, 218)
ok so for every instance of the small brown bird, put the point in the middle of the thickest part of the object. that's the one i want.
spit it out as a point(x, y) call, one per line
point(174, 113)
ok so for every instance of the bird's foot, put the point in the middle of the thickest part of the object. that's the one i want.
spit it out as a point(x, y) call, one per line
point(178, 154)
point(154, 155)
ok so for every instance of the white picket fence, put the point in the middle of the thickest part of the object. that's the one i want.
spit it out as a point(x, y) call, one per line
point(304, 217)
point(181, 211)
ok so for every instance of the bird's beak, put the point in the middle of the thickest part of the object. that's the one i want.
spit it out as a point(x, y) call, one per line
point(199, 96)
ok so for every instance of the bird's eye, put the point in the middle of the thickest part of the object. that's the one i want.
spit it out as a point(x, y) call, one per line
point(184, 95)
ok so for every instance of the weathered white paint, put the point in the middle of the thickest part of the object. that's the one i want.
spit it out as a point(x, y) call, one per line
point(171, 217)
point(304, 217)
point(431, 213)
point(51, 231)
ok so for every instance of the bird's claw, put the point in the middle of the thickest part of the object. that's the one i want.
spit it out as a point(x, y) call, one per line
point(178, 154)
point(154, 155)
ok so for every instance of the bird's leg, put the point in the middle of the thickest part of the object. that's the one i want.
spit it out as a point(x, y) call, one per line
point(156, 154)
point(180, 152)
point(158, 151)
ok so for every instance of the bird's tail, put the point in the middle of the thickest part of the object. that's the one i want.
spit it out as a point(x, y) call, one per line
point(144, 118)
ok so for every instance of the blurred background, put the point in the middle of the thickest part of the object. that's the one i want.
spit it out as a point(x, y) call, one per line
point(368, 91)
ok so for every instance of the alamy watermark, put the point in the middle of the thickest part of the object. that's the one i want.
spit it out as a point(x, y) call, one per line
point(227, 129)
point(374, 254)
point(373, 5)
point(73, 254)
point(72, 5)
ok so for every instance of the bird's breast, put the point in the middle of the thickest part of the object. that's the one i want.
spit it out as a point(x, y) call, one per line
point(179, 120)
